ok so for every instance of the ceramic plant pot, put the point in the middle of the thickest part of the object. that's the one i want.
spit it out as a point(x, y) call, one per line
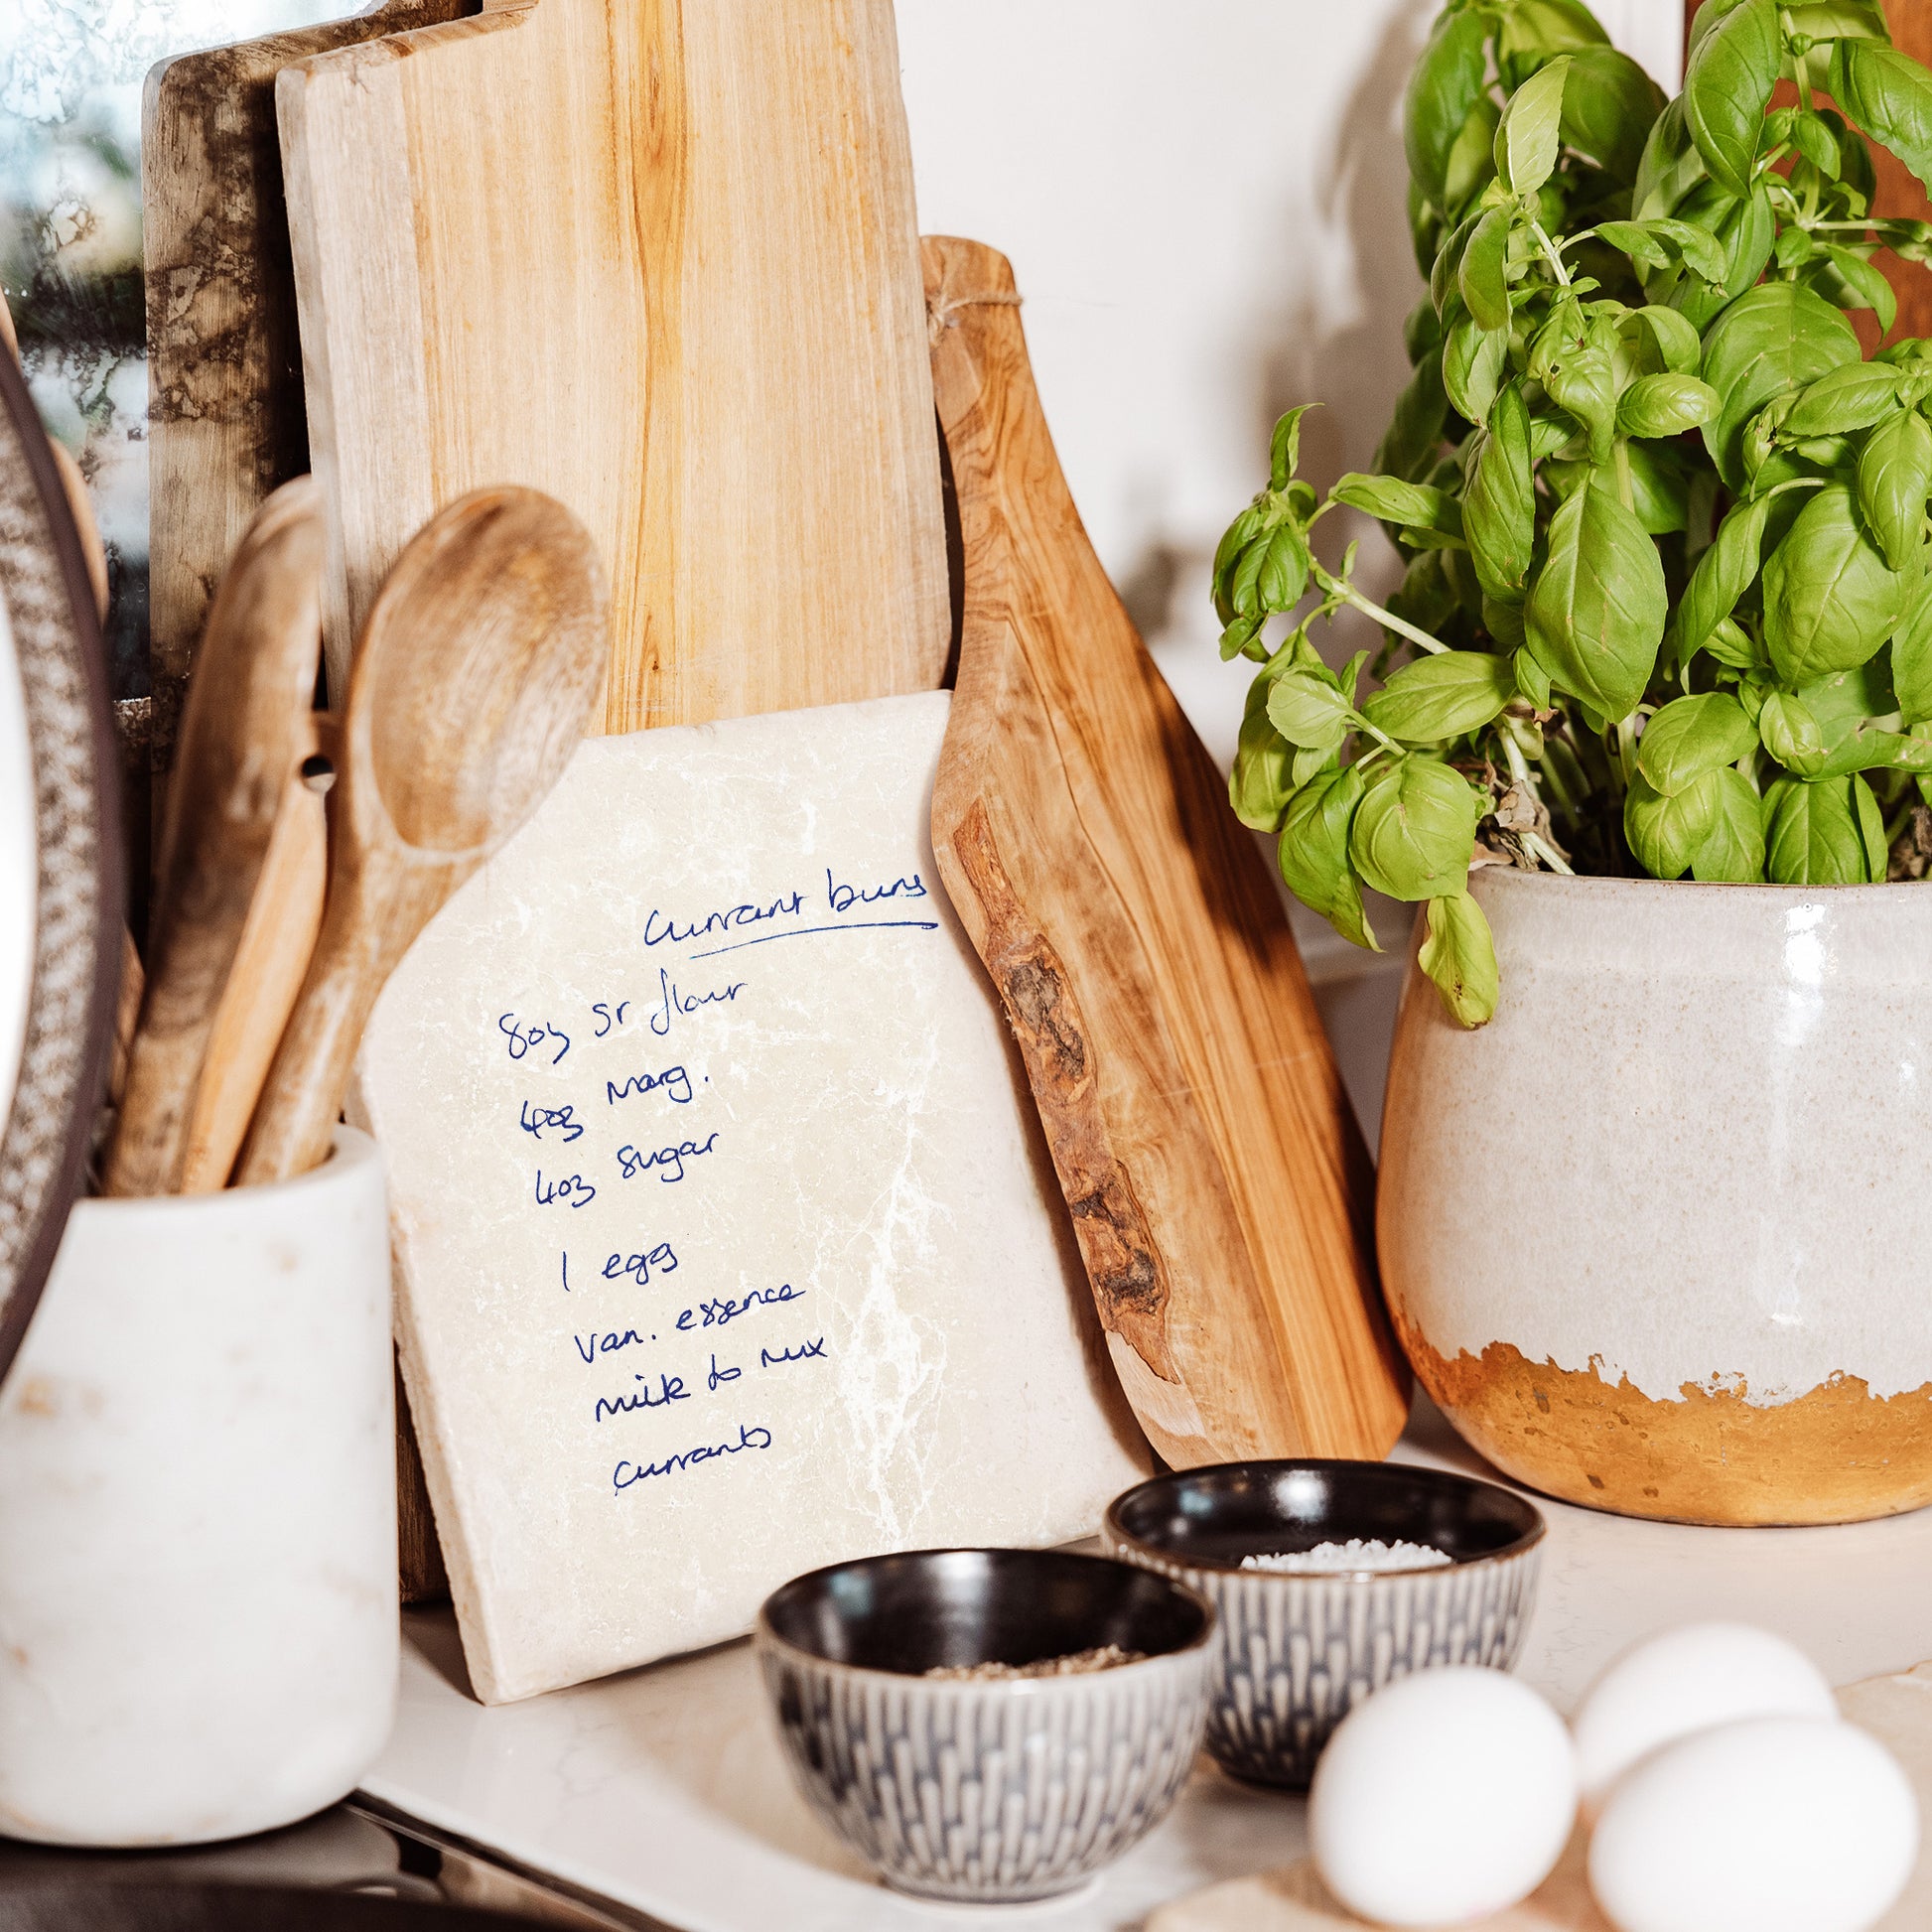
point(197, 1533)
point(1658, 1238)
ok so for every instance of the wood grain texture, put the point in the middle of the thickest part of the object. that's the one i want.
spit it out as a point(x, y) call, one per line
point(477, 674)
point(227, 425)
point(1219, 1189)
point(270, 963)
point(659, 262)
point(245, 733)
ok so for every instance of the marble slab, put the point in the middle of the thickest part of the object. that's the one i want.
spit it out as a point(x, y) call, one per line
point(727, 1243)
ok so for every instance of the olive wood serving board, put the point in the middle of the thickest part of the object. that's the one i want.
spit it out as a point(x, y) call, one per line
point(1219, 1189)
point(661, 262)
point(225, 421)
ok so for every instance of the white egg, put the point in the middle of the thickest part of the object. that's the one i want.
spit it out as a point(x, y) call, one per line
point(1446, 1796)
point(1768, 1824)
point(1684, 1680)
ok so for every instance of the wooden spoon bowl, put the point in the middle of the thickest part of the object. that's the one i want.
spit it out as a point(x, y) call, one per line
point(475, 677)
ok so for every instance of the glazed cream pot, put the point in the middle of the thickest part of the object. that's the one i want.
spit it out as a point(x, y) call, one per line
point(1658, 1238)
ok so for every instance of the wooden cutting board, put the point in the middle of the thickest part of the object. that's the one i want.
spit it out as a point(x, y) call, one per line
point(661, 262)
point(225, 420)
point(1219, 1187)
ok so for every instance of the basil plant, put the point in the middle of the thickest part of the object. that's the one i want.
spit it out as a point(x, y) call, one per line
point(1666, 608)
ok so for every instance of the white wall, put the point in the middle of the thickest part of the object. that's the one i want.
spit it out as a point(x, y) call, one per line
point(1204, 205)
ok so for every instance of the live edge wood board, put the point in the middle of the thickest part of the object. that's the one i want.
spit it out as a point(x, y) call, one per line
point(226, 423)
point(1219, 1187)
point(661, 262)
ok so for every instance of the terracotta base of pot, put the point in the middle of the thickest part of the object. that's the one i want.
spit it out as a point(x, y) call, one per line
point(1836, 1455)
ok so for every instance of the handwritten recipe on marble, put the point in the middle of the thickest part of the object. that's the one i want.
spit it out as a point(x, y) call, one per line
point(726, 1247)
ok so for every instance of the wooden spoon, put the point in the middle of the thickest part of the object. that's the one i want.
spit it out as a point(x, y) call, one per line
point(277, 943)
point(477, 672)
point(244, 730)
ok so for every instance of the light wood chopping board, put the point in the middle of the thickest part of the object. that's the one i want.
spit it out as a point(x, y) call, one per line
point(1219, 1187)
point(661, 262)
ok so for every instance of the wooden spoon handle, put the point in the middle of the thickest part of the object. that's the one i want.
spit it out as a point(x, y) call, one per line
point(375, 907)
point(269, 966)
point(245, 733)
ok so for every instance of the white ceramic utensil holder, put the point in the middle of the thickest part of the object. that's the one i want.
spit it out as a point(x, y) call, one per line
point(199, 1632)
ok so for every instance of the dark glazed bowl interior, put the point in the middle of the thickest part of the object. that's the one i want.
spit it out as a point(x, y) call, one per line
point(1218, 1515)
point(908, 1614)
point(174, 1907)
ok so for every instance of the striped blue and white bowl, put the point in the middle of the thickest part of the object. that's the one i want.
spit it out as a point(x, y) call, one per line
point(987, 1791)
point(1296, 1652)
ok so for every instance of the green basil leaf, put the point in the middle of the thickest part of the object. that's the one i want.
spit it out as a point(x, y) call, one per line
point(1309, 710)
point(1730, 645)
point(1610, 105)
point(1894, 481)
point(1831, 599)
point(1535, 29)
point(1500, 508)
point(1261, 781)
point(1873, 749)
point(1448, 263)
point(1660, 491)
point(1671, 165)
point(1679, 346)
point(1284, 570)
point(1597, 609)
point(1483, 280)
point(1665, 830)
point(1313, 853)
point(1531, 679)
point(1727, 87)
point(1812, 135)
point(1474, 361)
point(1847, 281)
point(1415, 432)
point(1746, 229)
point(1665, 405)
point(1240, 534)
point(1527, 137)
point(1692, 736)
point(1458, 954)
point(1443, 91)
point(1442, 696)
point(1471, 163)
point(1702, 250)
point(1812, 834)
point(1415, 829)
point(1872, 830)
point(1889, 95)
point(1284, 447)
point(1416, 506)
point(1792, 733)
point(1833, 20)
point(1634, 239)
point(1853, 396)
point(1773, 337)
point(1238, 640)
point(1709, 16)
point(1733, 852)
point(1911, 654)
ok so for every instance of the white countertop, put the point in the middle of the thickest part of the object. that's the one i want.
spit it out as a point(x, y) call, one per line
point(664, 1791)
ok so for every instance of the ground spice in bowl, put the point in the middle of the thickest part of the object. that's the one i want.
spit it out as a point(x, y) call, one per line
point(1106, 1656)
point(1334, 1559)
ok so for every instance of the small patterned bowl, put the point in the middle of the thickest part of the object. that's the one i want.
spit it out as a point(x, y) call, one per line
point(986, 1791)
point(1295, 1653)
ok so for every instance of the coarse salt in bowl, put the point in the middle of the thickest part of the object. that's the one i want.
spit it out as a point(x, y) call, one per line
point(1330, 1580)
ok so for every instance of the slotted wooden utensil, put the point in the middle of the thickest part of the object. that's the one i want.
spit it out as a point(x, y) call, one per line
point(669, 276)
point(1219, 1187)
point(474, 678)
point(245, 733)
